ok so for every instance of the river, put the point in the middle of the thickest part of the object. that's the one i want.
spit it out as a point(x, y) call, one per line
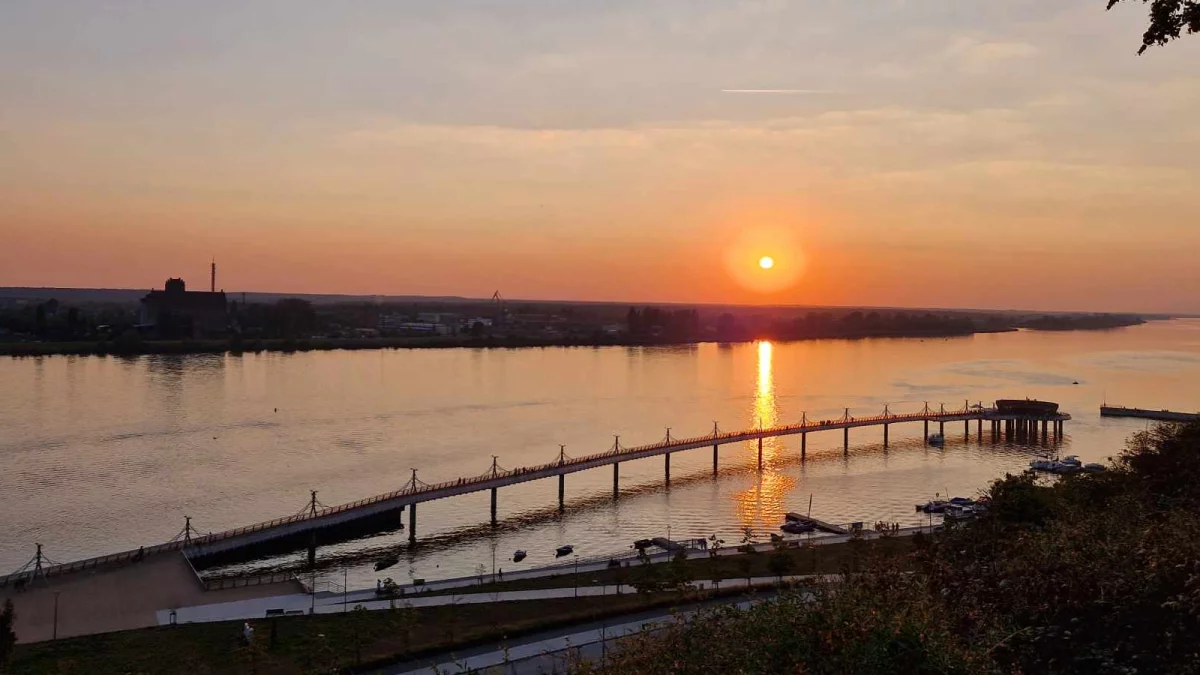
point(101, 454)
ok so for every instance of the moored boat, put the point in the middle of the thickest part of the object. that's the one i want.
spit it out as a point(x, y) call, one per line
point(959, 513)
point(519, 556)
point(797, 527)
point(935, 506)
point(564, 550)
point(386, 562)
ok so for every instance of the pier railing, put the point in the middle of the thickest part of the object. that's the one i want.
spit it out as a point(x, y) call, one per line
point(417, 488)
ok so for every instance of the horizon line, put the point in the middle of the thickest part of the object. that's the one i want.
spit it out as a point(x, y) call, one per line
point(1179, 314)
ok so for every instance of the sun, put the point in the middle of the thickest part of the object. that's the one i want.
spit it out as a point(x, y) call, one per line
point(766, 262)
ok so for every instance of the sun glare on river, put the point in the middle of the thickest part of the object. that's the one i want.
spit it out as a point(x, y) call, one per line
point(761, 507)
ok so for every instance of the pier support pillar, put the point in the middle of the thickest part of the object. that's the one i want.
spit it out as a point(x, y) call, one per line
point(715, 446)
point(494, 490)
point(412, 523)
point(967, 428)
point(926, 436)
point(1045, 431)
point(979, 429)
point(942, 429)
point(562, 490)
point(885, 435)
point(760, 454)
point(312, 550)
point(846, 441)
point(616, 479)
point(803, 446)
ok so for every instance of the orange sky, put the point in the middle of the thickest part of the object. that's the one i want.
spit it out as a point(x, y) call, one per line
point(925, 153)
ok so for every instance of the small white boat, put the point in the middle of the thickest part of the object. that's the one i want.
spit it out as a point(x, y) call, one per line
point(1044, 464)
point(564, 550)
point(519, 556)
point(959, 513)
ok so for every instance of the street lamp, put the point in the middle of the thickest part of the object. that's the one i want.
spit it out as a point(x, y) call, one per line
point(55, 637)
point(575, 557)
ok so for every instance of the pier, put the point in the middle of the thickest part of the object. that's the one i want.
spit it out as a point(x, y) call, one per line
point(1142, 413)
point(301, 529)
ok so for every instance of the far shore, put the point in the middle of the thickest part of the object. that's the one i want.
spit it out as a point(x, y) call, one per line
point(284, 345)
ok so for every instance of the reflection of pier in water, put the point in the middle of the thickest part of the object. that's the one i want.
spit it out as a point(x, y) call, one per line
point(322, 525)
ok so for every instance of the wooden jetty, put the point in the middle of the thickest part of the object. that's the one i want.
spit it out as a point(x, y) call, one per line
point(1142, 413)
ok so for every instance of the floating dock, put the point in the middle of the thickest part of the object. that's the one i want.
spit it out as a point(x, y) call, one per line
point(1159, 415)
point(820, 524)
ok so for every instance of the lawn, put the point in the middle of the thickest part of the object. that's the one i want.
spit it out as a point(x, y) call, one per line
point(318, 644)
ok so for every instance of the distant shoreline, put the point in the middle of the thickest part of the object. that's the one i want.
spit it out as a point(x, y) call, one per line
point(285, 345)
point(280, 345)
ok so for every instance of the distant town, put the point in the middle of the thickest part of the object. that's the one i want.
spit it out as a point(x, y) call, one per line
point(179, 319)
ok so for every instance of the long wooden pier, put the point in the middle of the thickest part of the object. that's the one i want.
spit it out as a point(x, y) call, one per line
point(303, 526)
point(1160, 415)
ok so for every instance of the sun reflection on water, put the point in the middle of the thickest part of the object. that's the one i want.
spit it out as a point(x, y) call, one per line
point(761, 506)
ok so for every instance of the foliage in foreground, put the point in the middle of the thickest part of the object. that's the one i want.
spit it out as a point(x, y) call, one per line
point(1169, 19)
point(1094, 574)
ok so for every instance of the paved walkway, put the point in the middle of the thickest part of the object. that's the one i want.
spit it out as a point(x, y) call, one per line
point(554, 651)
point(328, 604)
point(323, 602)
point(117, 598)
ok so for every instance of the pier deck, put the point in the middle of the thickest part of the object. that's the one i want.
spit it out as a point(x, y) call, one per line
point(416, 491)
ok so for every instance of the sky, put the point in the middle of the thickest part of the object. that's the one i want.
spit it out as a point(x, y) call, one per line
point(951, 153)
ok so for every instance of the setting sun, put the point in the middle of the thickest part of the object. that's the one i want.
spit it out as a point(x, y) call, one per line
point(766, 262)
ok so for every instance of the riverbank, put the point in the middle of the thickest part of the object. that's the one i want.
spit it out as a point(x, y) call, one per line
point(235, 347)
point(396, 631)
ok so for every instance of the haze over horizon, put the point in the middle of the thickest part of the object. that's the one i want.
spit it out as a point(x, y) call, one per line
point(920, 153)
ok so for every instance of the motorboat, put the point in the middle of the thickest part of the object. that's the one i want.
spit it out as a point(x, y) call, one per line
point(962, 501)
point(959, 513)
point(519, 556)
point(1044, 464)
point(797, 527)
point(937, 439)
point(1070, 465)
point(1072, 460)
point(935, 506)
point(563, 551)
point(384, 563)
point(643, 544)
point(1093, 467)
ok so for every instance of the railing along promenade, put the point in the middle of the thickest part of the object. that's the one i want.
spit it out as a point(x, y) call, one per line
point(415, 491)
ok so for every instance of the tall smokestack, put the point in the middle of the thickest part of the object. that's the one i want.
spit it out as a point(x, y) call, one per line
point(213, 279)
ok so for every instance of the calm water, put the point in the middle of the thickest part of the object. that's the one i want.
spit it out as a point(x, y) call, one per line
point(105, 454)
